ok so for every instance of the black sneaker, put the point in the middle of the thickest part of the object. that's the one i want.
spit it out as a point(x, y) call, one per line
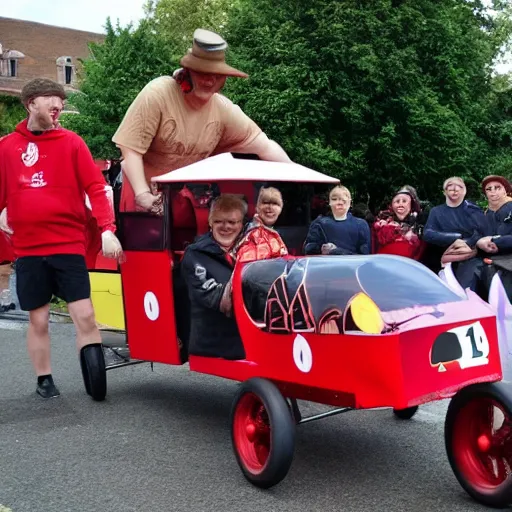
point(47, 389)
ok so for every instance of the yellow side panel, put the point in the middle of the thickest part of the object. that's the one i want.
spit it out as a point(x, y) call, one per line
point(107, 298)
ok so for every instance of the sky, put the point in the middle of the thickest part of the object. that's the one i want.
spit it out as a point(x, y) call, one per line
point(89, 15)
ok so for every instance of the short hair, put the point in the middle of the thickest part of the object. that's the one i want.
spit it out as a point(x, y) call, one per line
point(453, 179)
point(271, 195)
point(227, 203)
point(41, 87)
point(343, 189)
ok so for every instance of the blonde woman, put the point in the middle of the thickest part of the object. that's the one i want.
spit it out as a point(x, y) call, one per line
point(261, 241)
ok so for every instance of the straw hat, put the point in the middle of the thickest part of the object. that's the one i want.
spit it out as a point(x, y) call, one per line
point(207, 55)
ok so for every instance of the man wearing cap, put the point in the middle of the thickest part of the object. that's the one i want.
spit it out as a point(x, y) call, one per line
point(456, 227)
point(176, 121)
point(498, 217)
point(45, 174)
point(496, 244)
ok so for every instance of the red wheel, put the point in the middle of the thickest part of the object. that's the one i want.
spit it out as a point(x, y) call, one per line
point(478, 436)
point(262, 432)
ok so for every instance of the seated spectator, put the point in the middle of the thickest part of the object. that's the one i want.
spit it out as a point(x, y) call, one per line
point(207, 267)
point(455, 227)
point(496, 243)
point(397, 230)
point(260, 240)
point(340, 232)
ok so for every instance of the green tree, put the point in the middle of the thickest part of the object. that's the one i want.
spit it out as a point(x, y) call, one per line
point(377, 93)
point(110, 80)
point(11, 113)
point(176, 20)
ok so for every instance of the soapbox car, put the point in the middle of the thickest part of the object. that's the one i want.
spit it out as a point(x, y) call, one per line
point(352, 332)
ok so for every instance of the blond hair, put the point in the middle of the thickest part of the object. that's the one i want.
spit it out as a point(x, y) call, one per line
point(270, 195)
point(344, 190)
point(227, 203)
point(453, 179)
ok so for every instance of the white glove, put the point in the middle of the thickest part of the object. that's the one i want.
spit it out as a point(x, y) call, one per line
point(111, 246)
point(3, 223)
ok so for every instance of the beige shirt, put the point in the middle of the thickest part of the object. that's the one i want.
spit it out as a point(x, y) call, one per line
point(170, 134)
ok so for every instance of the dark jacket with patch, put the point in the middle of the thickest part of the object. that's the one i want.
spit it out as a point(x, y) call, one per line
point(206, 271)
point(500, 223)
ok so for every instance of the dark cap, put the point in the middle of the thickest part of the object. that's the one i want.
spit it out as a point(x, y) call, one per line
point(41, 87)
point(499, 179)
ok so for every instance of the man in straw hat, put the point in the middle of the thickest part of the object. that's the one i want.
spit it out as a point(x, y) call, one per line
point(45, 174)
point(176, 121)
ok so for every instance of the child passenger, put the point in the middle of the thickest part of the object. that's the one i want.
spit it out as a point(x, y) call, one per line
point(340, 232)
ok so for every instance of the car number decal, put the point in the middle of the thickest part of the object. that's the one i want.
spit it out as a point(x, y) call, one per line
point(151, 306)
point(302, 354)
point(466, 345)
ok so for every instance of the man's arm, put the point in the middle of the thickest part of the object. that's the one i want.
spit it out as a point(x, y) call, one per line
point(133, 168)
point(314, 239)
point(433, 233)
point(4, 226)
point(3, 177)
point(365, 239)
point(265, 148)
point(136, 133)
point(202, 287)
point(93, 183)
point(242, 135)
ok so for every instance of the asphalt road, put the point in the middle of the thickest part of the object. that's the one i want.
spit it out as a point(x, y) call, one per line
point(161, 442)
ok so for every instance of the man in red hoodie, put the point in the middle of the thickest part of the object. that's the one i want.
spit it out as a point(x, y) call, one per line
point(45, 174)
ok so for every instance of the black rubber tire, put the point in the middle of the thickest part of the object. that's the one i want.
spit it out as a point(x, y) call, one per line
point(94, 372)
point(405, 414)
point(282, 432)
point(500, 496)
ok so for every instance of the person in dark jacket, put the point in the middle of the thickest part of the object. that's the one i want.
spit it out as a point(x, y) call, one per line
point(340, 232)
point(455, 227)
point(207, 267)
point(496, 244)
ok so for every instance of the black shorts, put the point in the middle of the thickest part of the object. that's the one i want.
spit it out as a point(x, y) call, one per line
point(38, 278)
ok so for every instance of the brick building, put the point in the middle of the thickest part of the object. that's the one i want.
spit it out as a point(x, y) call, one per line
point(29, 50)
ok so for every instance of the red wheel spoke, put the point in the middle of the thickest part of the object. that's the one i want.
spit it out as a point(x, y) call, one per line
point(483, 449)
point(252, 433)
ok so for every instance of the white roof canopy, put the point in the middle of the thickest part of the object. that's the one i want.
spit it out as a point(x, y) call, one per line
point(225, 167)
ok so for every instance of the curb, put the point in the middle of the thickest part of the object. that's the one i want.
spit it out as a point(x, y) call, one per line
point(22, 316)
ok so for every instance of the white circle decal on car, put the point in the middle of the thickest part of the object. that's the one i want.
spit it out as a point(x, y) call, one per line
point(151, 306)
point(302, 354)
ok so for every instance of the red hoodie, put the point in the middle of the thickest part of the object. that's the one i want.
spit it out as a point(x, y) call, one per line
point(43, 182)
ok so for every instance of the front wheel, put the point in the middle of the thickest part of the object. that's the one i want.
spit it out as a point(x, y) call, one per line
point(262, 432)
point(478, 438)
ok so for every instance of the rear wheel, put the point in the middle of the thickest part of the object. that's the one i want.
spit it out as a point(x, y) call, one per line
point(478, 437)
point(94, 372)
point(262, 432)
point(405, 414)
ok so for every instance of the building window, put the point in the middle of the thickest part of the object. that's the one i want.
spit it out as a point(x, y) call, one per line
point(69, 71)
point(9, 61)
point(65, 70)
